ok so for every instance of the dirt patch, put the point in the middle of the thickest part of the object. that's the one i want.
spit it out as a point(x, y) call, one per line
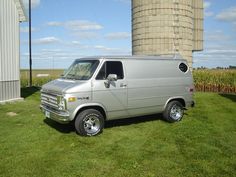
point(12, 114)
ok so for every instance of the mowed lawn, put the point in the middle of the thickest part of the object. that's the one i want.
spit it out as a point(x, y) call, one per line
point(202, 144)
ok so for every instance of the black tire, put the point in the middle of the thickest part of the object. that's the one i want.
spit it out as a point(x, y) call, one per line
point(174, 112)
point(89, 122)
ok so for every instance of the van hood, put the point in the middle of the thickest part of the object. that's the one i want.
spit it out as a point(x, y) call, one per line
point(60, 86)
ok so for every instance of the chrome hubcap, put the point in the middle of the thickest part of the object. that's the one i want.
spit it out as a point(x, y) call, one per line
point(176, 112)
point(91, 124)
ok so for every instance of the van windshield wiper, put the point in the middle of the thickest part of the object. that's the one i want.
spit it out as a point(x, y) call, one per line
point(70, 76)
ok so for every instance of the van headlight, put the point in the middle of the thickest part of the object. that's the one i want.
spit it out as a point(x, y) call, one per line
point(61, 102)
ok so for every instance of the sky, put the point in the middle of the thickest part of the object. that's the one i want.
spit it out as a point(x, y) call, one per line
point(63, 30)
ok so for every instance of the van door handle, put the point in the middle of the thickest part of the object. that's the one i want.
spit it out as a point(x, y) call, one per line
point(123, 85)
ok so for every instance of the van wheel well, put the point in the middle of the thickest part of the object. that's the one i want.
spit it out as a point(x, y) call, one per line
point(179, 100)
point(98, 108)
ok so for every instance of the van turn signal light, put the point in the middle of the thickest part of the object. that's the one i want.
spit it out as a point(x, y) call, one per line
point(71, 99)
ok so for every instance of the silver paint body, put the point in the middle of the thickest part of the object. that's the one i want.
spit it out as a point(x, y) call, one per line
point(149, 84)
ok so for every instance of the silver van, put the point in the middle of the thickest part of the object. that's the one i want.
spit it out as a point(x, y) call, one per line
point(97, 89)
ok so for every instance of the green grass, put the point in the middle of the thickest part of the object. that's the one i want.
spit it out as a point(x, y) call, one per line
point(202, 144)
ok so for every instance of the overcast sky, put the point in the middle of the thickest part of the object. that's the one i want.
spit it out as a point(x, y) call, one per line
point(63, 30)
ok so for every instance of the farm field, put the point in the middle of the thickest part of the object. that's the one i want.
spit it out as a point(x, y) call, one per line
point(214, 80)
point(202, 144)
point(39, 81)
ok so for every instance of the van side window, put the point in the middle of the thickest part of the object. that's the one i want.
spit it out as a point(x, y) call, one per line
point(183, 67)
point(111, 67)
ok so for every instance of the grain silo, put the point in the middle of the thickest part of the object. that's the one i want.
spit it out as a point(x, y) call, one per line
point(167, 27)
point(11, 13)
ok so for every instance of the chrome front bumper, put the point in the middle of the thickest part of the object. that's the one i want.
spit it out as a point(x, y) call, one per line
point(58, 116)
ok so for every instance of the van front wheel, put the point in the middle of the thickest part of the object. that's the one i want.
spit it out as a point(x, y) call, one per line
point(89, 122)
point(174, 111)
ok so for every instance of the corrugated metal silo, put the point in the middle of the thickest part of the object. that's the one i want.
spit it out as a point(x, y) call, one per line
point(167, 27)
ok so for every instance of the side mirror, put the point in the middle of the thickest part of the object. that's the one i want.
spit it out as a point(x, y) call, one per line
point(110, 78)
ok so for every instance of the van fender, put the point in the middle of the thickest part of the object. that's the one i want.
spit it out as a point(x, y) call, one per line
point(173, 98)
point(88, 105)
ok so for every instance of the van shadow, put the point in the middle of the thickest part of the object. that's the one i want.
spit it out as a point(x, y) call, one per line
point(232, 97)
point(69, 128)
point(133, 120)
point(63, 128)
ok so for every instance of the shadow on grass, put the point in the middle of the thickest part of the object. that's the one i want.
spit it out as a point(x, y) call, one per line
point(28, 91)
point(63, 128)
point(232, 97)
point(133, 120)
point(68, 128)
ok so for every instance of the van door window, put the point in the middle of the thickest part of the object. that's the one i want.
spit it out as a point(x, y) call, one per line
point(111, 67)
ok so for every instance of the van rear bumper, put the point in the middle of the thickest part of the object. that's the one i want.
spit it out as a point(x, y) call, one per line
point(58, 116)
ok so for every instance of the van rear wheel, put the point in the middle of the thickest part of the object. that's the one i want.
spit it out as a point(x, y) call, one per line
point(174, 111)
point(89, 122)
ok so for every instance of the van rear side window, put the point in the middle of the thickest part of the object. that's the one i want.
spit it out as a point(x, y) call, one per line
point(111, 67)
point(183, 67)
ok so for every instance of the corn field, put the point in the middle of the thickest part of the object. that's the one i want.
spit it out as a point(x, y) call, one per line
point(215, 80)
point(206, 80)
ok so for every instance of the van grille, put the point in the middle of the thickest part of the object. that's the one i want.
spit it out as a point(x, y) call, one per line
point(49, 100)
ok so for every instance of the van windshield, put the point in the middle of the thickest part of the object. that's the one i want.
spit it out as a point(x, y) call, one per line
point(81, 70)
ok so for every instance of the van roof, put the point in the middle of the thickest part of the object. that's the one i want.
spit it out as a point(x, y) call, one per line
point(154, 57)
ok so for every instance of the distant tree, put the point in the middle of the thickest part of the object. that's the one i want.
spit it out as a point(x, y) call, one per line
point(232, 67)
point(203, 67)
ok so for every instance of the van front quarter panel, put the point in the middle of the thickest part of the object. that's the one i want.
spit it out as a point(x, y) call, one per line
point(90, 105)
